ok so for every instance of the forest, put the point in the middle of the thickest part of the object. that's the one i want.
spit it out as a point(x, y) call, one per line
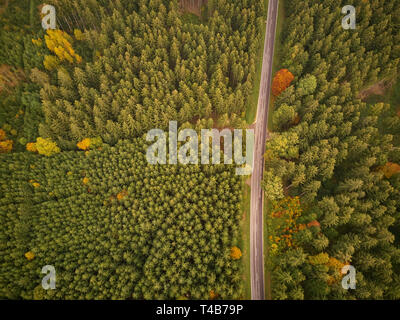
point(331, 172)
point(96, 218)
point(76, 191)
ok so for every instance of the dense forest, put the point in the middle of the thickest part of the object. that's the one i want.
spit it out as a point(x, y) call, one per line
point(332, 164)
point(76, 190)
point(118, 69)
point(95, 216)
point(140, 66)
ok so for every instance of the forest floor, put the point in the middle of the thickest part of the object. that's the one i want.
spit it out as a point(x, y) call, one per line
point(267, 207)
point(389, 93)
point(378, 89)
point(193, 6)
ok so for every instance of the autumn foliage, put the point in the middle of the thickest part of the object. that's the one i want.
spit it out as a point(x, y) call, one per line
point(285, 213)
point(88, 143)
point(60, 43)
point(84, 144)
point(34, 183)
point(31, 146)
point(43, 146)
point(390, 169)
point(313, 223)
point(6, 145)
point(122, 194)
point(281, 81)
point(335, 266)
point(29, 255)
point(2, 135)
point(213, 295)
point(235, 253)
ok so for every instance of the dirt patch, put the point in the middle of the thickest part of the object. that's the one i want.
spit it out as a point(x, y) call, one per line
point(192, 6)
point(3, 6)
point(10, 77)
point(248, 182)
point(379, 88)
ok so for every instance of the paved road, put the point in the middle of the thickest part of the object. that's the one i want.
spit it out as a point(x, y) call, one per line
point(261, 134)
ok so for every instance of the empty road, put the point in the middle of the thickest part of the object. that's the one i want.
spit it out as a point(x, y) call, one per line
point(261, 134)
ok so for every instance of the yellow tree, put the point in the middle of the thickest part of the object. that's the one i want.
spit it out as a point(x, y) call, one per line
point(60, 43)
point(46, 146)
point(235, 253)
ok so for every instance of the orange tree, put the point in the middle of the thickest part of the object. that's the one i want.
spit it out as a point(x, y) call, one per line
point(282, 223)
point(281, 81)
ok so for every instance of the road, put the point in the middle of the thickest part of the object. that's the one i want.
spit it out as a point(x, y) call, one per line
point(261, 134)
